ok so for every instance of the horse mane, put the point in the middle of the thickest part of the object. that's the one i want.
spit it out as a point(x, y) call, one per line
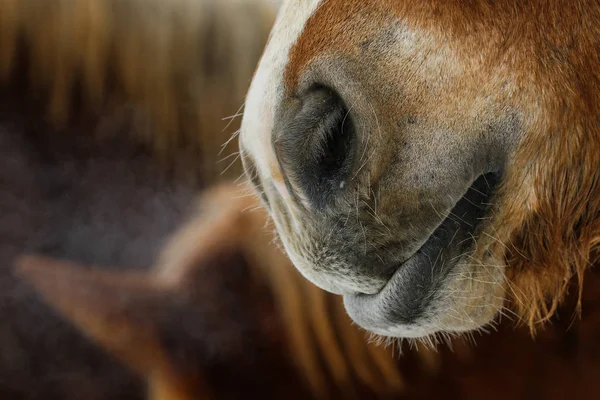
point(172, 71)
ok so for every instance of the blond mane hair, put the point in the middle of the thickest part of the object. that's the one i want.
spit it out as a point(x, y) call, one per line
point(176, 71)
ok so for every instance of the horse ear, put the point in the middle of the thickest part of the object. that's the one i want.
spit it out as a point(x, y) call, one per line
point(224, 227)
point(162, 322)
point(121, 311)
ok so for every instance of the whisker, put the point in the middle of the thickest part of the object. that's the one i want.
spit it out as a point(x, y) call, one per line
point(233, 117)
point(231, 164)
point(235, 153)
point(233, 136)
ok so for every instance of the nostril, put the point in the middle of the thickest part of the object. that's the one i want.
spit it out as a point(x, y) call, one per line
point(315, 146)
point(333, 146)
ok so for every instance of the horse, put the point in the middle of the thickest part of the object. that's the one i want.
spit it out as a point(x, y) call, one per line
point(434, 162)
point(110, 129)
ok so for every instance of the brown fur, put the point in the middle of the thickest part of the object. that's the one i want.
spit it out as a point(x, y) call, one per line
point(549, 207)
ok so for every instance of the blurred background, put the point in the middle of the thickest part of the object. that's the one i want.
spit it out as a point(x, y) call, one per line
point(139, 265)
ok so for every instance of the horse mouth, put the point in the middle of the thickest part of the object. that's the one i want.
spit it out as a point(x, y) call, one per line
point(407, 296)
point(465, 218)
